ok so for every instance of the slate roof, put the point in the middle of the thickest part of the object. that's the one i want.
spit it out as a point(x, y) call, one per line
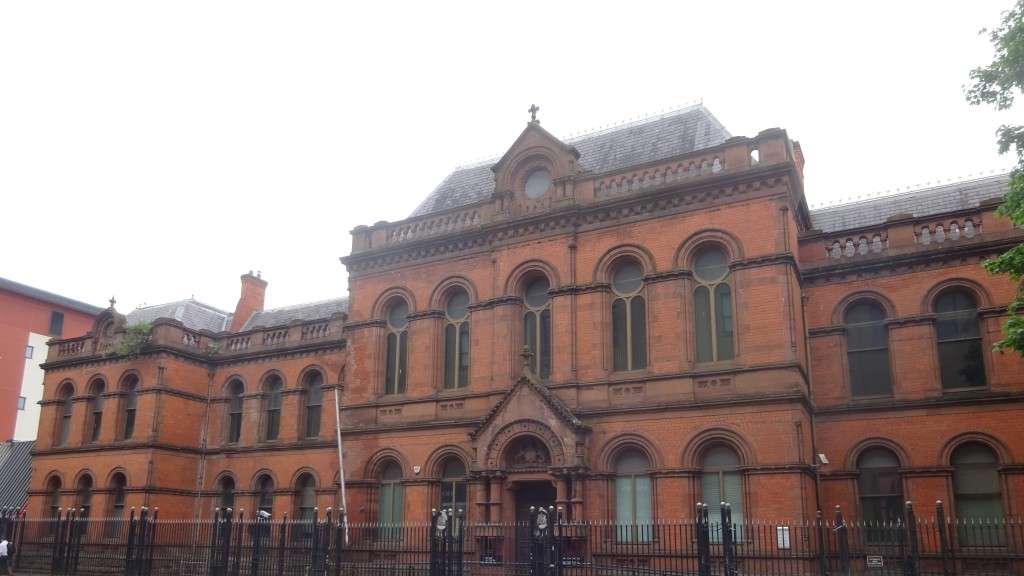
point(917, 203)
point(310, 311)
point(192, 313)
point(651, 139)
point(43, 295)
point(15, 472)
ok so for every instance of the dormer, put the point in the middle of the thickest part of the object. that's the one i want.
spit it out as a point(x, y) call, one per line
point(537, 172)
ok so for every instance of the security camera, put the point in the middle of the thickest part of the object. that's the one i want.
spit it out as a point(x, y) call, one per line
point(822, 458)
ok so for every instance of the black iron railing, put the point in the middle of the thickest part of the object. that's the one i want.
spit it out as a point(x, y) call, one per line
point(549, 544)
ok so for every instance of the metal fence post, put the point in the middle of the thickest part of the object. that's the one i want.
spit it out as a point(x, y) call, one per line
point(842, 539)
point(728, 550)
point(703, 541)
point(913, 557)
point(236, 565)
point(150, 543)
point(281, 543)
point(945, 550)
point(129, 550)
point(822, 544)
point(339, 541)
point(460, 534)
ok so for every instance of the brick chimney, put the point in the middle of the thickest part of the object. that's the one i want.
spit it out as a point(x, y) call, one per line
point(254, 289)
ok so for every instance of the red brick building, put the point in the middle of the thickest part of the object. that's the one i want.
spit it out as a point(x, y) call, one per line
point(692, 332)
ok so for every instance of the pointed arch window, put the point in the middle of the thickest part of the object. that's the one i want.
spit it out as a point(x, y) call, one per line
point(537, 325)
point(391, 499)
point(722, 481)
point(272, 387)
point(959, 338)
point(712, 306)
point(456, 339)
point(66, 409)
point(867, 349)
point(129, 405)
point(397, 343)
point(881, 492)
point(313, 400)
point(95, 403)
point(118, 487)
point(265, 495)
point(236, 390)
point(633, 496)
point(629, 316)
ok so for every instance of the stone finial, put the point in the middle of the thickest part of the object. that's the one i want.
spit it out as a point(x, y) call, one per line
point(533, 113)
point(113, 301)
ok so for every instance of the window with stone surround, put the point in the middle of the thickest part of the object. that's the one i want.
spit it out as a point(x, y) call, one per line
point(312, 400)
point(265, 494)
point(95, 410)
point(396, 347)
point(633, 496)
point(712, 306)
point(722, 481)
point(629, 316)
point(958, 334)
point(537, 325)
point(867, 349)
point(129, 405)
point(978, 492)
point(390, 501)
point(65, 409)
point(236, 390)
point(456, 339)
point(881, 492)
point(272, 387)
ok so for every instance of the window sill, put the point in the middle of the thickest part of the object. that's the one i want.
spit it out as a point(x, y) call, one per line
point(869, 399)
point(965, 390)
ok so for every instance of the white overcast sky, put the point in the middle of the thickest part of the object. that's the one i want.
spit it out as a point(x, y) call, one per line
point(157, 150)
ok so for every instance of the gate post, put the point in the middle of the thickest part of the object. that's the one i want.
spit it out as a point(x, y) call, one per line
point(728, 550)
point(913, 557)
point(703, 541)
point(129, 552)
point(281, 544)
point(433, 534)
point(945, 550)
point(150, 543)
point(236, 565)
point(459, 528)
point(843, 542)
point(822, 544)
point(259, 521)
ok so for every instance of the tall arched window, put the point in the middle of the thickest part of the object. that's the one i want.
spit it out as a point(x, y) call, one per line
point(881, 492)
point(84, 496)
point(66, 409)
point(265, 495)
point(305, 503)
point(129, 404)
point(313, 400)
point(226, 493)
point(721, 481)
point(537, 325)
point(867, 349)
point(235, 392)
point(396, 348)
point(118, 487)
point(629, 316)
point(391, 498)
point(959, 337)
point(453, 485)
point(712, 306)
point(95, 425)
point(456, 339)
point(978, 492)
point(272, 407)
point(53, 486)
point(633, 495)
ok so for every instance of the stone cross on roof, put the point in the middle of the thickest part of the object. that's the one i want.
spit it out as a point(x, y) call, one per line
point(533, 112)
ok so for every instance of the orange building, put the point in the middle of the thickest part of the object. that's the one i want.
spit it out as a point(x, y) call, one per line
point(622, 324)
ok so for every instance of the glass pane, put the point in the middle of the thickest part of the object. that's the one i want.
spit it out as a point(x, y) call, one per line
point(390, 375)
point(398, 314)
point(458, 301)
point(624, 500)
point(869, 373)
point(710, 265)
point(973, 453)
point(463, 354)
point(643, 500)
point(449, 356)
point(955, 300)
point(530, 332)
point(627, 277)
point(702, 321)
point(632, 461)
point(733, 483)
point(961, 364)
point(878, 458)
point(129, 423)
point(273, 424)
point(537, 183)
point(619, 350)
point(866, 336)
point(976, 479)
point(864, 312)
point(720, 457)
point(638, 330)
point(453, 468)
point(398, 505)
point(545, 344)
point(711, 494)
point(537, 292)
point(314, 389)
point(386, 509)
point(235, 428)
point(313, 421)
point(723, 321)
point(403, 345)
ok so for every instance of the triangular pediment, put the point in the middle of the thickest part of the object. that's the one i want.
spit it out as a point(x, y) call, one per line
point(533, 136)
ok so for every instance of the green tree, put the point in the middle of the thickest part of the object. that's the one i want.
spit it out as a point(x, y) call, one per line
point(999, 84)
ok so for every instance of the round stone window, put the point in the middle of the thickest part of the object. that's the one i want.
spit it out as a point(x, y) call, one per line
point(538, 182)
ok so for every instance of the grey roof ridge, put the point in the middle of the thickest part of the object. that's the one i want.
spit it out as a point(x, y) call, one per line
point(47, 296)
point(304, 304)
point(900, 194)
point(184, 300)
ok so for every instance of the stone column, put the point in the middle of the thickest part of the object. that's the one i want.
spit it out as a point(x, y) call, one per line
point(577, 496)
point(562, 488)
point(496, 496)
point(483, 497)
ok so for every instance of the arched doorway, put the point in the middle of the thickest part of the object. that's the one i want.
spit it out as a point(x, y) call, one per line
point(527, 461)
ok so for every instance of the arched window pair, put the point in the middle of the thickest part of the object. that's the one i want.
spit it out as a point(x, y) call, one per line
point(957, 333)
point(456, 342)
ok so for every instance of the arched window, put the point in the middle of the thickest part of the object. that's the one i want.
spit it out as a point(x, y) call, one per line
point(867, 349)
point(265, 495)
point(235, 391)
point(66, 409)
point(305, 503)
point(226, 493)
point(959, 338)
point(53, 486)
point(456, 339)
point(881, 492)
point(712, 306)
point(633, 496)
point(537, 325)
point(313, 399)
point(721, 481)
point(978, 492)
point(84, 496)
point(129, 404)
point(118, 485)
point(95, 411)
point(272, 407)
point(396, 348)
point(392, 498)
point(629, 316)
point(453, 485)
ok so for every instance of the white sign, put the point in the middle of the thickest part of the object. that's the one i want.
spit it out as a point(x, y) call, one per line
point(782, 537)
point(874, 562)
